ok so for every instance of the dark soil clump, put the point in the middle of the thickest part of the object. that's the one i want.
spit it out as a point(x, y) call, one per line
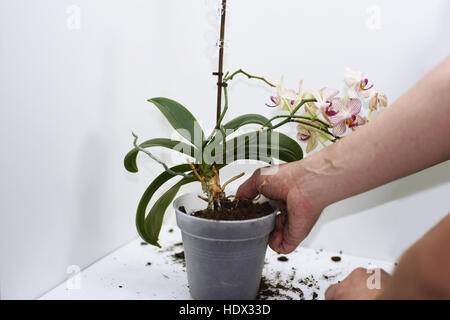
point(283, 259)
point(179, 256)
point(238, 209)
point(336, 259)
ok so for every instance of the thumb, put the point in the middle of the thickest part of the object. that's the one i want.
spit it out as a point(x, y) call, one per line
point(331, 292)
point(267, 181)
point(248, 189)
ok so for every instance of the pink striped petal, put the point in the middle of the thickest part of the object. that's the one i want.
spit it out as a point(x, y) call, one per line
point(353, 106)
point(341, 112)
point(339, 129)
point(337, 119)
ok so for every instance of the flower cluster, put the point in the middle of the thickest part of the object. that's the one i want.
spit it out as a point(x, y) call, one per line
point(319, 111)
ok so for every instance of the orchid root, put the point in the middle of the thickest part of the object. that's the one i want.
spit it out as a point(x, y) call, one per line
point(212, 187)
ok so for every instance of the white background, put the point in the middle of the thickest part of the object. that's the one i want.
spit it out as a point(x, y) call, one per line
point(69, 99)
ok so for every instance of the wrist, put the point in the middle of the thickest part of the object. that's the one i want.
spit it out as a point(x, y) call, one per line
point(314, 181)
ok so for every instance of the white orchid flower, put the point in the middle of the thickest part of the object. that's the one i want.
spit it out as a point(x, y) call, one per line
point(311, 136)
point(324, 96)
point(323, 103)
point(287, 98)
point(357, 84)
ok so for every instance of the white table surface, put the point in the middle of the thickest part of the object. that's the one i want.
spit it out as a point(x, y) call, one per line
point(126, 274)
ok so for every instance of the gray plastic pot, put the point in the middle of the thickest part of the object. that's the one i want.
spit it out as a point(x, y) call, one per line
point(224, 259)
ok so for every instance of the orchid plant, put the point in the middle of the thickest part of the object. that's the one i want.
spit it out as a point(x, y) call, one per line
point(321, 117)
point(207, 155)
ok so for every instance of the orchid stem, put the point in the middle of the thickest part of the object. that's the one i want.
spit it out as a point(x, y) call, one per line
point(300, 117)
point(290, 116)
point(248, 76)
point(226, 78)
point(219, 121)
point(368, 116)
point(225, 108)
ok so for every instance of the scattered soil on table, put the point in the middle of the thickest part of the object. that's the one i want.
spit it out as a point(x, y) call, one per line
point(310, 282)
point(283, 259)
point(143, 243)
point(273, 289)
point(238, 209)
point(179, 257)
point(148, 264)
point(171, 248)
point(336, 258)
point(314, 295)
point(170, 230)
point(292, 277)
point(331, 276)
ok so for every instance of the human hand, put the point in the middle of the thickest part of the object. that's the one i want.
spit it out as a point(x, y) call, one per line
point(361, 284)
point(299, 210)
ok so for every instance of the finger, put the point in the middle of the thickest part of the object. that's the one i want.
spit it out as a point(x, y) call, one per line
point(275, 241)
point(268, 181)
point(289, 241)
point(276, 236)
point(248, 189)
point(280, 220)
point(273, 184)
point(331, 293)
point(297, 225)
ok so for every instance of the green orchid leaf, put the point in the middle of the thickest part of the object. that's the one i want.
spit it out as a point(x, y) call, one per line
point(181, 120)
point(256, 145)
point(130, 158)
point(154, 219)
point(289, 145)
point(147, 196)
point(231, 127)
point(245, 119)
